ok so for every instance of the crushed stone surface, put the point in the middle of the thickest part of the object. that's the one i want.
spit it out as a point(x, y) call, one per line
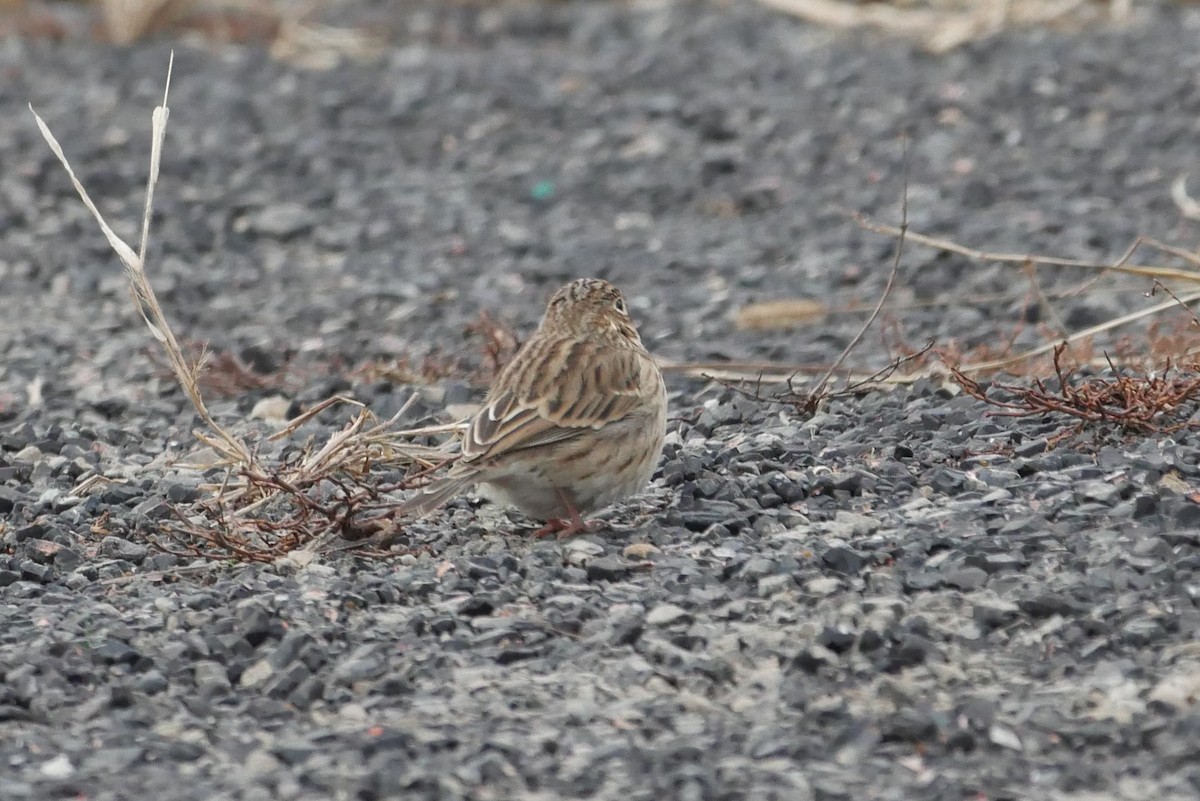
point(899, 597)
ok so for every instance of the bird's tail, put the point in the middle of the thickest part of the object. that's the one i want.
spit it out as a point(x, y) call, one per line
point(432, 496)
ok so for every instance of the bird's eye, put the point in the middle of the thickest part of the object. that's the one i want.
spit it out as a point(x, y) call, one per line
point(619, 305)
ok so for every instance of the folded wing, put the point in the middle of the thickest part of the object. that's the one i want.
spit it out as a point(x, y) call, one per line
point(554, 396)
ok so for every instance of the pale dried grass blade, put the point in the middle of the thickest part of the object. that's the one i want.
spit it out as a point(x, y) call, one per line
point(290, 427)
point(126, 254)
point(1187, 205)
point(779, 314)
point(1161, 272)
point(321, 47)
point(937, 30)
point(143, 294)
point(1189, 256)
point(158, 129)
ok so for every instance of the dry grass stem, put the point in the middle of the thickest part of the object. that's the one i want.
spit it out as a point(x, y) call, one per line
point(808, 400)
point(1029, 262)
point(266, 508)
point(822, 383)
point(780, 314)
point(1079, 336)
point(146, 302)
point(948, 25)
point(1161, 272)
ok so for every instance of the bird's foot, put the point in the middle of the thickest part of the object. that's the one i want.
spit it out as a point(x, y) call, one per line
point(570, 524)
point(567, 527)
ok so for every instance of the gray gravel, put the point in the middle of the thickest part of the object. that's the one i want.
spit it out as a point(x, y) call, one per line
point(899, 597)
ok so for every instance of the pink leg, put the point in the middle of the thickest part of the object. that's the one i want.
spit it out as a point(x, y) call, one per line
point(551, 527)
point(568, 526)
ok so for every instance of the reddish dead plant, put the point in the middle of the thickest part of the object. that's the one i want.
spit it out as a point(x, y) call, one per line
point(500, 344)
point(1151, 403)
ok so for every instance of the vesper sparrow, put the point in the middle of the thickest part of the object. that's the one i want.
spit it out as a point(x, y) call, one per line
point(574, 423)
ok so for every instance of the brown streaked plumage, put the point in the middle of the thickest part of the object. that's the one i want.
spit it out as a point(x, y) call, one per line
point(573, 424)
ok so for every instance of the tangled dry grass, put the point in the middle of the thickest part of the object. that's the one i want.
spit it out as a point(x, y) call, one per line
point(1139, 404)
point(307, 495)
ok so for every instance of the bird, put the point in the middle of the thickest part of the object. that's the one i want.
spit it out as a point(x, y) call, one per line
point(574, 423)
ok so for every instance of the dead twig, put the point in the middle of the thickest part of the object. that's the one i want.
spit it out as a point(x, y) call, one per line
point(1121, 266)
point(1158, 273)
point(1159, 285)
point(1145, 404)
point(802, 399)
point(823, 382)
point(806, 401)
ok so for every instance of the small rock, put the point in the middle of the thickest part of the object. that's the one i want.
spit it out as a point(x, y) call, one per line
point(298, 559)
point(909, 726)
point(363, 664)
point(772, 585)
point(1005, 737)
point(1097, 492)
point(256, 674)
point(915, 580)
point(58, 768)
point(115, 652)
point(30, 453)
point(211, 678)
point(608, 568)
point(121, 548)
point(823, 585)
point(640, 550)
point(1045, 604)
point(1179, 690)
point(280, 221)
point(759, 567)
point(32, 571)
point(967, 578)
point(260, 765)
point(182, 493)
point(8, 499)
point(42, 551)
point(701, 517)
point(579, 552)
point(153, 509)
point(152, 682)
point(1031, 448)
point(294, 750)
point(995, 562)
point(118, 494)
point(67, 559)
point(273, 409)
point(667, 614)
point(1188, 516)
point(844, 560)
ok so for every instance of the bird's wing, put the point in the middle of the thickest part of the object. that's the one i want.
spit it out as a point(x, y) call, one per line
point(556, 392)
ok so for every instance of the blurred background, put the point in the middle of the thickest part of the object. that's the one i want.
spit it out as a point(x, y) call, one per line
point(317, 30)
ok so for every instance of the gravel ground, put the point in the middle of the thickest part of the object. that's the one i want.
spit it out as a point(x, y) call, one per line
point(899, 597)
